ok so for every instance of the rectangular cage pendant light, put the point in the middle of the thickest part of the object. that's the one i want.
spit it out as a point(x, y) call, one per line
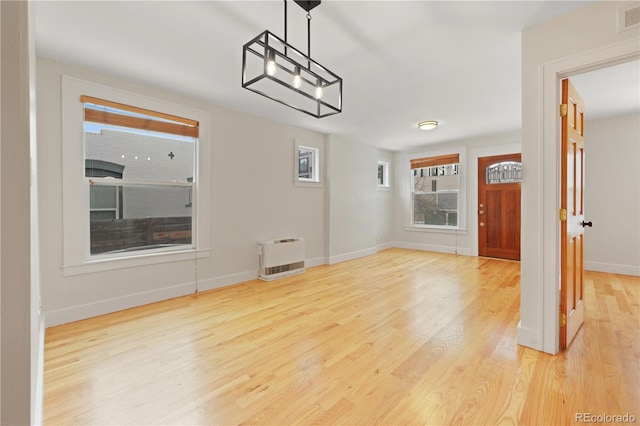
point(273, 68)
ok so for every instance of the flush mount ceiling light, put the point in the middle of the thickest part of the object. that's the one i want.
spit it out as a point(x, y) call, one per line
point(273, 68)
point(428, 125)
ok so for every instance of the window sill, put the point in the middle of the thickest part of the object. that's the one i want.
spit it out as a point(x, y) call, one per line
point(307, 183)
point(383, 188)
point(109, 264)
point(436, 229)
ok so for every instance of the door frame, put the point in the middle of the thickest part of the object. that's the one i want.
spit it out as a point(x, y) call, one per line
point(549, 250)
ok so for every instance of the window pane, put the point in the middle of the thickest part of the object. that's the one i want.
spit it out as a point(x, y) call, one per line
point(304, 167)
point(383, 173)
point(435, 195)
point(137, 154)
point(102, 197)
point(103, 215)
point(153, 216)
point(307, 164)
point(436, 209)
point(432, 179)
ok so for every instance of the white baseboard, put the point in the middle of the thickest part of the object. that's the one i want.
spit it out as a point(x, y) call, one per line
point(226, 280)
point(350, 256)
point(79, 312)
point(231, 279)
point(529, 337)
point(317, 261)
point(612, 268)
point(385, 246)
point(432, 247)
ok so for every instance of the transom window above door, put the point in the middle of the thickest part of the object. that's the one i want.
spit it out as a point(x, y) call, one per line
point(504, 172)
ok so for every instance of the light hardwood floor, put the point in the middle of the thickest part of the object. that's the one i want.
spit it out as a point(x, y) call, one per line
point(401, 337)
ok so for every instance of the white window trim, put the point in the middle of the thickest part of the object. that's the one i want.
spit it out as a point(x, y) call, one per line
point(387, 185)
point(303, 182)
point(74, 193)
point(462, 191)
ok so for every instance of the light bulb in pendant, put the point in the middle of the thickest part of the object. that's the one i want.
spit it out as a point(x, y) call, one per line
point(297, 79)
point(271, 63)
point(318, 93)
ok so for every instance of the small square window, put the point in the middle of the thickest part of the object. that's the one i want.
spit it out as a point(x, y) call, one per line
point(307, 165)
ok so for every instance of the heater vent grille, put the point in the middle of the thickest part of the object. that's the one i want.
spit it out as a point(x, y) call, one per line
point(628, 17)
point(271, 270)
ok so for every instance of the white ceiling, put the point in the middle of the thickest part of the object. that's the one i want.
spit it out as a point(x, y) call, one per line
point(401, 61)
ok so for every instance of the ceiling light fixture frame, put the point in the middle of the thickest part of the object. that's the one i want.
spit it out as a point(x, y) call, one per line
point(428, 124)
point(276, 70)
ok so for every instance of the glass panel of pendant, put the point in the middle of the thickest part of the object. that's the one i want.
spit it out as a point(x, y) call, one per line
point(505, 172)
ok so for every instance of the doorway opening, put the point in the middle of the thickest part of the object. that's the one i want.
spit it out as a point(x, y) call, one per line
point(552, 74)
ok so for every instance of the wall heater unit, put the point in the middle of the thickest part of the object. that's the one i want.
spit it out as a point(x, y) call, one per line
point(280, 258)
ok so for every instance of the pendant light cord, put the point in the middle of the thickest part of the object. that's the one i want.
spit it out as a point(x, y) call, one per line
point(285, 27)
point(309, 39)
point(308, 34)
point(285, 22)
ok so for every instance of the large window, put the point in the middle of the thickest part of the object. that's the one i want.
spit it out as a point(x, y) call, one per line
point(139, 169)
point(101, 189)
point(435, 191)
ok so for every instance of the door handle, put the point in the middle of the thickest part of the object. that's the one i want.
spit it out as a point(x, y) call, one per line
point(585, 224)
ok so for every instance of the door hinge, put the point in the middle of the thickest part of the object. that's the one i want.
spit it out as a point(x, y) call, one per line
point(564, 109)
point(562, 214)
point(563, 319)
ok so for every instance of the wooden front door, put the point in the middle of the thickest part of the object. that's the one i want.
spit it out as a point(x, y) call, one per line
point(499, 206)
point(571, 215)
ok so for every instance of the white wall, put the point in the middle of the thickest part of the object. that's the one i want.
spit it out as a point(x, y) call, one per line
point(583, 38)
point(19, 335)
point(465, 240)
point(252, 195)
point(352, 199)
point(612, 194)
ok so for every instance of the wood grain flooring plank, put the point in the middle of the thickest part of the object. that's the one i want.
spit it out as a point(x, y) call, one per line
point(400, 337)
